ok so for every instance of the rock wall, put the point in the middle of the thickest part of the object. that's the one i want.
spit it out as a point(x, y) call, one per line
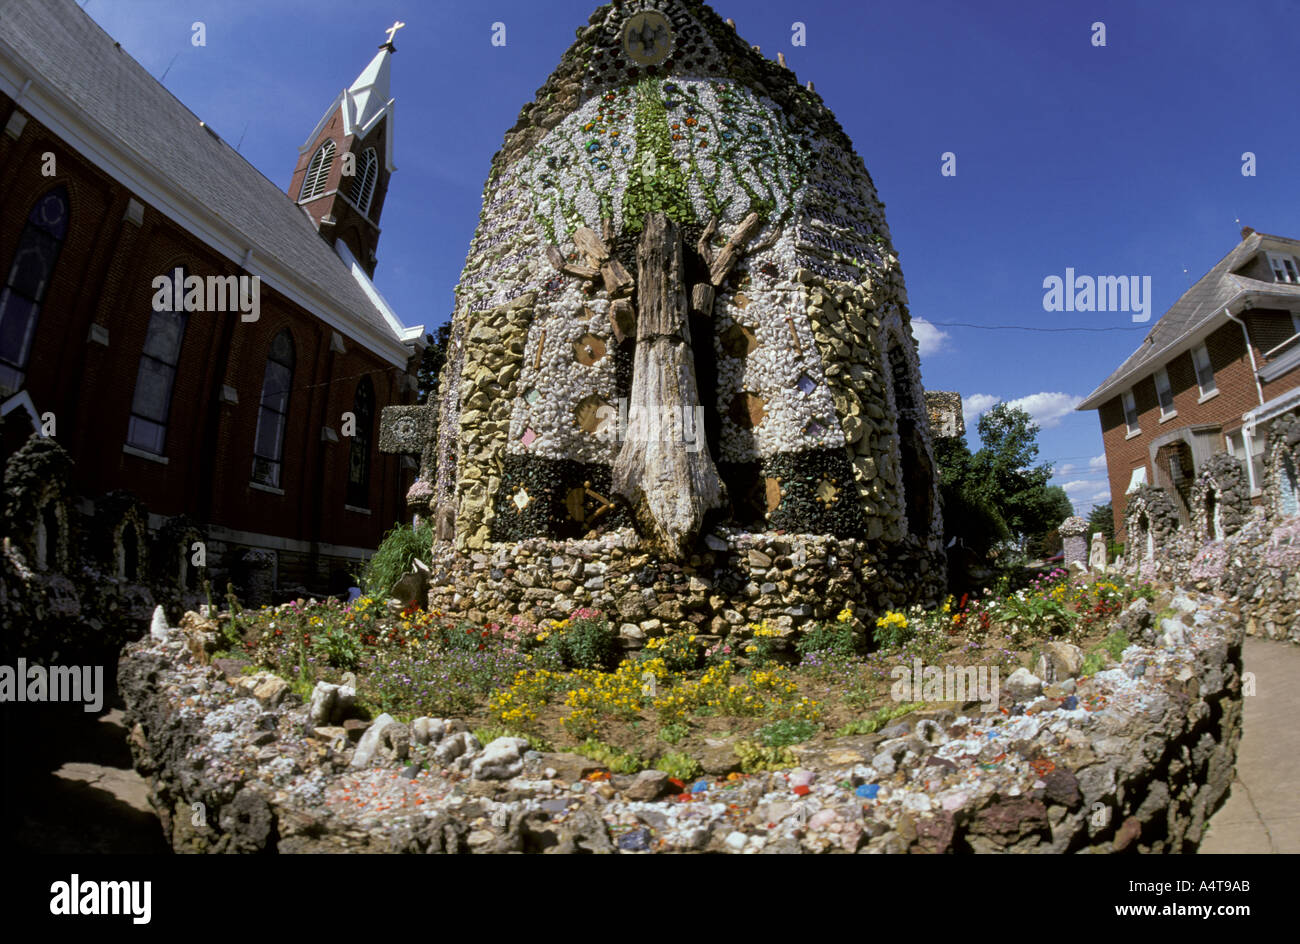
point(1221, 541)
point(1132, 759)
point(790, 580)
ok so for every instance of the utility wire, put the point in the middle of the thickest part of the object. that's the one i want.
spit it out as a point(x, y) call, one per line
point(964, 324)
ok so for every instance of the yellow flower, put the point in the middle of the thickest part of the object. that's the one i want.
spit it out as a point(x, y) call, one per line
point(844, 615)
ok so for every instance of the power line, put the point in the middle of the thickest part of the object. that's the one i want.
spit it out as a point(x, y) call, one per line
point(965, 324)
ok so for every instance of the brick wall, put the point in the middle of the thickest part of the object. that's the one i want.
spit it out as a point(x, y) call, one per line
point(1237, 393)
point(103, 276)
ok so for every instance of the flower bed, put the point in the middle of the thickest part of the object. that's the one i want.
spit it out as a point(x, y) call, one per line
point(569, 684)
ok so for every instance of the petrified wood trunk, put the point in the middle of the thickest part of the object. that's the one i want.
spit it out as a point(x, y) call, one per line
point(671, 484)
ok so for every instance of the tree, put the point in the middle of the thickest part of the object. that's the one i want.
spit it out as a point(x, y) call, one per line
point(1102, 518)
point(998, 492)
point(435, 355)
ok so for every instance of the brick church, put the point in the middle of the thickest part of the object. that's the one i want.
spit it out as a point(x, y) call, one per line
point(256, 417)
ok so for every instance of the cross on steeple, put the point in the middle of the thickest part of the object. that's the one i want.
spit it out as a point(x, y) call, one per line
point(392, 31)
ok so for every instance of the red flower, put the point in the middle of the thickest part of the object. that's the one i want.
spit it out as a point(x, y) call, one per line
point(802, 790)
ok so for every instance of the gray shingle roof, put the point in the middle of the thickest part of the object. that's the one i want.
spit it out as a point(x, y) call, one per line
point(72, 55)
point(1200, 304)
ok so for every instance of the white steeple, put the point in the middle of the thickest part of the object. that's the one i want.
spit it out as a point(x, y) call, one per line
point(366, 102)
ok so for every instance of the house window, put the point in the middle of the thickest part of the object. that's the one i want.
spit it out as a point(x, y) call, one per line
point(363, 405)
point(273, 412)
point(29, 279)
point(1164, 393)
point(1204, 372)
point(154, 383)
point(1130, 412)
point(363, 184)
point(318, 172)
point(1284, 268)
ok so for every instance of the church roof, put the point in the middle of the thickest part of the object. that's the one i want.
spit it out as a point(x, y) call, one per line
point(87, 90)
point(1186, 321)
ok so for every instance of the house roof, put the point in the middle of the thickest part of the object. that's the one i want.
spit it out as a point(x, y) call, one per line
point(90, 92)
point(1194, 311)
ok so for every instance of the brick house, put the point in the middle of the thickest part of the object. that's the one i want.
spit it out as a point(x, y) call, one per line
point(199, 409)
point(1210, 376)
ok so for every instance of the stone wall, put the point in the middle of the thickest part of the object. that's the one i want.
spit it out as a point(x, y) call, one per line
point(1131, 759)
point(792, 581)
point(1250, 552)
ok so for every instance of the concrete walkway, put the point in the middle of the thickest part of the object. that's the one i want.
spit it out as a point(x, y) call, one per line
point(1262, 812)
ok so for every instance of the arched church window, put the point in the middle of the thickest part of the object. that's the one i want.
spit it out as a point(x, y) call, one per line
point(363, 184)
point(27, 282)
point(318, 172)
point(273, 411)
point(363, 405)
point(156, 379)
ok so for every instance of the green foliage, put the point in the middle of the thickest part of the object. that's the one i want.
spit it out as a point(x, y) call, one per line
point(758, 757)
point(786, 732)
point(431, 361)
point(1035, 614)
point(392, 560)
point(999, 490)
point(680, 652)
point(618, 761)
point(673, 733)
point(586, 643)
point(880, 719)
point(1109, 650)
point(679, 765)
point(339, 646)
point(657, 183)
point(1102, 518)
point(835, 638)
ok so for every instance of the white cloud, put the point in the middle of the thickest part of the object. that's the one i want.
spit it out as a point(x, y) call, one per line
point(1097, 463)
point(976, 405)
point(929, 339)
point(1047, 409)
point(1068, 469)
point(1087, 492)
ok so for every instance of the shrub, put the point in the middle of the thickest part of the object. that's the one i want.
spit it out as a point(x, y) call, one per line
point(587, 642)
point(786, 732)
point(681, 653)
point(392, 560)
point(339, 647)
point(893, 630)
point(834, 638)
point(672, 733)
point(757, 757)
point(679, 765)
point(618, 761)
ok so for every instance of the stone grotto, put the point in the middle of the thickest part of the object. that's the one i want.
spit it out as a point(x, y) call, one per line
point(681, 383)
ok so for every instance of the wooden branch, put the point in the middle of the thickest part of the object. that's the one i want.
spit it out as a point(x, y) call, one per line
point(702, 298)
point(617, 281)
point(670, 487)
point(579, 271)
point(731, 253)
point(622, 318)
point(705, 245)
point(590, 245)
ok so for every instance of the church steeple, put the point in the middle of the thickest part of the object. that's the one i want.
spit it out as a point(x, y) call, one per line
point(344, 165)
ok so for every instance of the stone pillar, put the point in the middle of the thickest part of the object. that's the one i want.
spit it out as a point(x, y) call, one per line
point(259, 576)
point(1072, 531)
point(1097, 554)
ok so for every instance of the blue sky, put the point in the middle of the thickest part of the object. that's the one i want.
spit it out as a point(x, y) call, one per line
point(1117, 160)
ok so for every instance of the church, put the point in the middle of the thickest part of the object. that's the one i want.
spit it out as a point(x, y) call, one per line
point(257, 422)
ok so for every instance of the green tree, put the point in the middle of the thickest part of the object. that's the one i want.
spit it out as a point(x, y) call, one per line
point(1102, 518)
point(435, 355)
point(998, 491)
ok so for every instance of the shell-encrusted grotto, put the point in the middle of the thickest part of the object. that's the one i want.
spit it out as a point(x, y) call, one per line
point(681, 384)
